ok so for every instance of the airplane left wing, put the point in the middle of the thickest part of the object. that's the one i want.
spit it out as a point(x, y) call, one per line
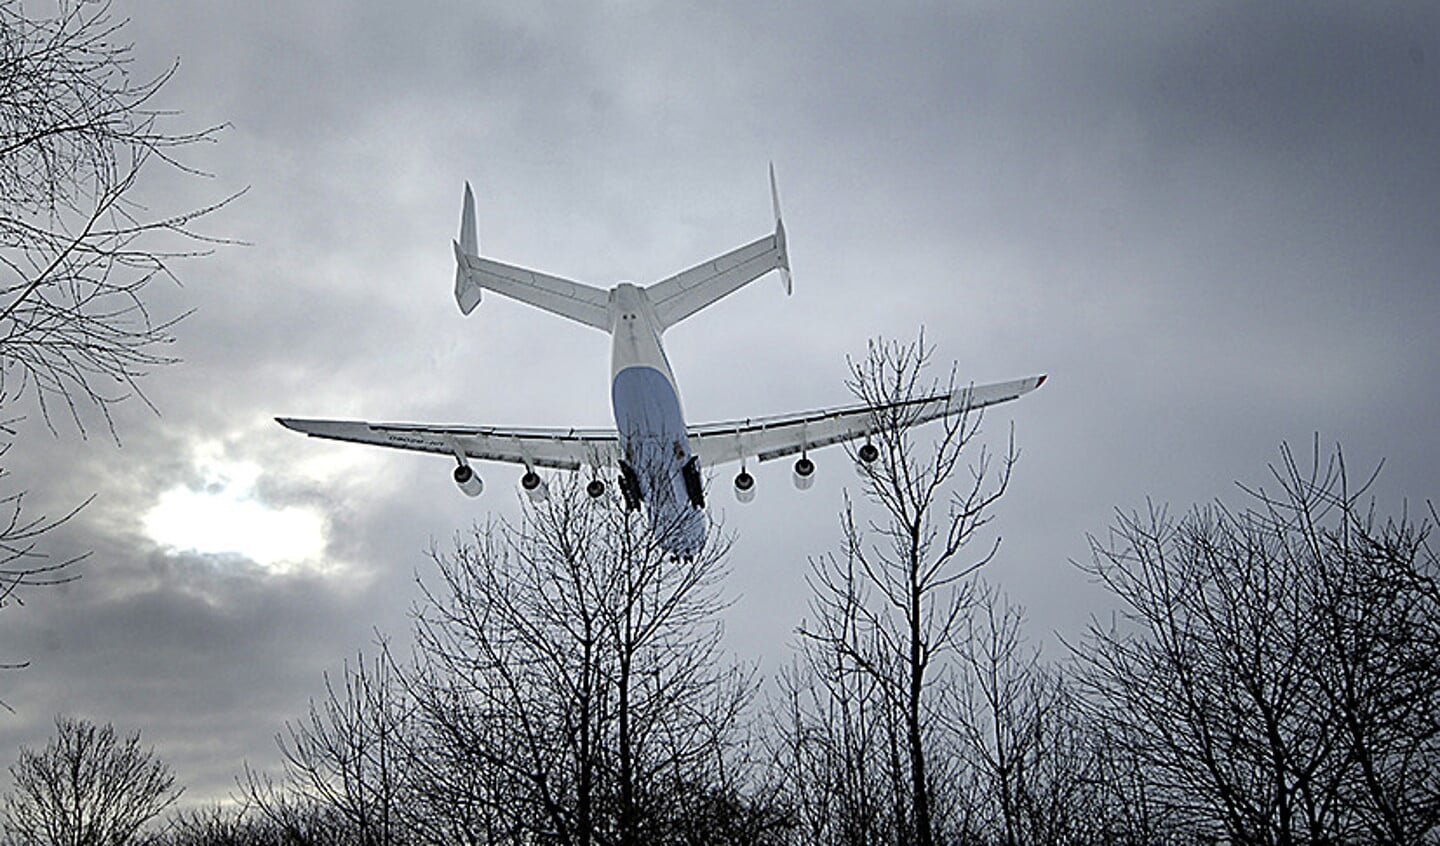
point(561, 449)
point(767, 438)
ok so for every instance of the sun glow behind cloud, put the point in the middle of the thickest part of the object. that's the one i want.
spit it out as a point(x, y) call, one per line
point(226, 517)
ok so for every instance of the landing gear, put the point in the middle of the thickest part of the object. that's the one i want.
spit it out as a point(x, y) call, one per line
point(629, 487)
point(694, 485)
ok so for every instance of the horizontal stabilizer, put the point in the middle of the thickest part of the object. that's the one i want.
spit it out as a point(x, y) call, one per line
point(687, 292)
point(582, 303)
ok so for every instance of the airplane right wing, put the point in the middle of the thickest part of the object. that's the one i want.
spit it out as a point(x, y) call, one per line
point(768, 438)
point(561, 449)
point(581, 303)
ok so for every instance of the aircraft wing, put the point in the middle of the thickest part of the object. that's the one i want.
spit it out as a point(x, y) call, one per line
point(563, 449)
point(767, 438)
point(761, 438)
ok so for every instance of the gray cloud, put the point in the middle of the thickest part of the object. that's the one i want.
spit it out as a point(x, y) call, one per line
point(1213, 225)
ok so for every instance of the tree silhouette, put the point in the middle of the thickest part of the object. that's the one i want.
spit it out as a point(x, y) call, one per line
point(87, 787)
point(890, 607)
point(1274, 668)
point(570, 681)
point(78, 246)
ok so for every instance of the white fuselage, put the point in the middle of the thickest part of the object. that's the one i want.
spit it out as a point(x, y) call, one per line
point(654, 441)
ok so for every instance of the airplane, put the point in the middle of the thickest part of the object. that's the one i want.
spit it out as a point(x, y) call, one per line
point(659, 457)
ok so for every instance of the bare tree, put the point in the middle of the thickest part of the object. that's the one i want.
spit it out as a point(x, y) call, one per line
point(840, 753)
point(891, 606)
point(1274, 668)
point(1045, 774)
point(350, 757)
point(235, 825)
point(570, 681)
point(78, 247)
point(22, 563)
point(88, 787)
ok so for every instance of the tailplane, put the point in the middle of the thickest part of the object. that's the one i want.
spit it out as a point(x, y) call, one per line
point(579, 302)
point(689, 291)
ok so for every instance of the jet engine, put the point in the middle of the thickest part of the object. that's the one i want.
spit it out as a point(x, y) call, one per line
point(865, 456)
point(468, 480)
point(534, 486)
point(744, 487)
point(804, 474)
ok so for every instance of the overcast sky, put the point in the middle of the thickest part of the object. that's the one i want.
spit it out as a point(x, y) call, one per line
point(1216, 226)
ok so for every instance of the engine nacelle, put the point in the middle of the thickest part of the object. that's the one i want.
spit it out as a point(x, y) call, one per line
point(468, 480)
point(804, 474)
point(534, 486)
point(595, 489)
point(865, 456)
point(744, 487)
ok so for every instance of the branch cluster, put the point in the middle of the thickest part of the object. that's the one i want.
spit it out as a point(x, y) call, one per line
point(77, 249)
point(567, 686)
point(88, 787)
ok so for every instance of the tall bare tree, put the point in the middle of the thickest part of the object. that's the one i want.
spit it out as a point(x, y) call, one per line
point(77, 246)
point(1043, 772)
point(87, 787)
point(570, 678)
point(890, 607)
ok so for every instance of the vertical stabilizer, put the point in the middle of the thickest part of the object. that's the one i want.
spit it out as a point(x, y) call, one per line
point(469, 239)
point(783, 259)
point(467, 293)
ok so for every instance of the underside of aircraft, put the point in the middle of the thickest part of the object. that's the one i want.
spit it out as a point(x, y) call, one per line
point(657, 458)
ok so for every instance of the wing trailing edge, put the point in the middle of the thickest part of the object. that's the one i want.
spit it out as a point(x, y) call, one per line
point(768, 438)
